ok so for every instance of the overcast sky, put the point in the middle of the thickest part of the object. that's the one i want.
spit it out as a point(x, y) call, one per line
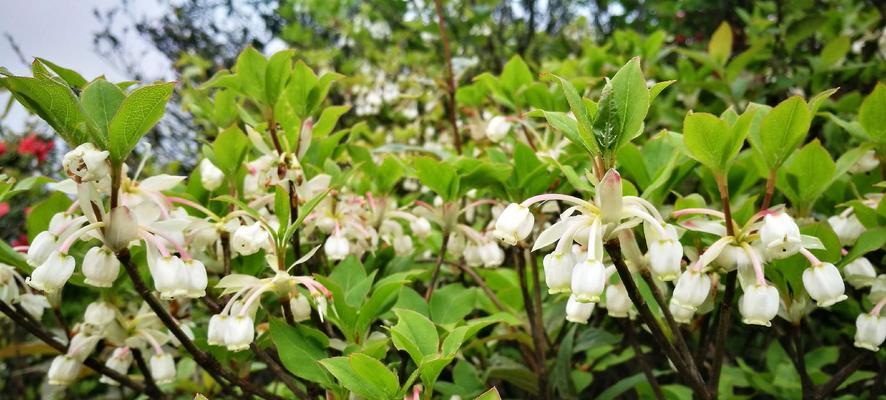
point(61, 31)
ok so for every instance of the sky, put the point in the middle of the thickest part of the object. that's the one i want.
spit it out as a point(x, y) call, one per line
point(61, 31)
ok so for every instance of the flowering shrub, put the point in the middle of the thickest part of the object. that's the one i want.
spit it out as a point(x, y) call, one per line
point(532, 247)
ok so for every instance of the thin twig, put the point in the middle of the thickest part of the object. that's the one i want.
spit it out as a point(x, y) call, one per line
point(146, 371)
point(629, 330)
point(537, 336)
point(724, 315)
point(828, 388)
point(21, 319)
point(450, 76)
point(437, 266)
point(479, 281)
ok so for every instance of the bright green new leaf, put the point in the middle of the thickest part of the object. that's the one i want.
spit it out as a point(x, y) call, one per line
point(328, 118)
point(251, 69)
point(375, 373)
point(583, 117)
point(720, 46)
point(438, 176)
point(279, 69)
point(782, 130)
point(138, 113)
point(872, 114)
point(73, 78)
point(52, 101)
point(101, 100)
point(630, 101)
point(299, 352)
point(363, 375)
point(415, 334)
point(708, 140)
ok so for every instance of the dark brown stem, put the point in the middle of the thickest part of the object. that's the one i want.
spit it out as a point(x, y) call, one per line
point(226, 252)
point(278, 371)
point(287, 311)
point(724, 315)
point(21, 318)
point(146, 371)
point(437, 266)
point(792, 346)
point(827, 389)
point(57, 314)
point(200, 357)
point(116, 178)
point(537, 337)
point(770, 190)
point(682, 348)
point(450, 76)
point(697, 385)
point(536, 299)
point(629, 330)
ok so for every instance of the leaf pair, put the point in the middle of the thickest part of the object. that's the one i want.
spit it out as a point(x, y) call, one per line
point(715, 141)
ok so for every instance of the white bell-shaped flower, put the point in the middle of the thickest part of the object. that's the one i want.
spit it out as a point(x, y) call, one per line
point(867, 162)
point(824, 284)
point(421, 227)
point(122, 229)
point(300, 307)
point(578, 312)
point(86, 163)
point(681, 314)
point(618, 303)
point(162, 368)
point(759, 304)
point(170, 276)
point(9, 291)
point(588, 281)
point(215, 333)
point(514, 224)
point(472, 255)
point(558, 271)
point(99, 313)
point(402, 245)
point(119, 361)
point(210, 176)
point(239, 333)
point(870, 331)
point(492, 255)
point(860, 273)
point(780, 236)
point(497, 128)
point(664, 253)
point(197, 279)
point(337, 247)
point(249, 239)
point(53, 273)
point(41, 247)
point(692, 289)
point(34, 304)
point(64, 370)
point(732, 258)
point(848, 228)
point(100, 267)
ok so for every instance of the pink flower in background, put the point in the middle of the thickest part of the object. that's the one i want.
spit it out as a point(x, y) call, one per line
point(35, 146)
point(21, 240)
point(2, 148)
point(4, 209)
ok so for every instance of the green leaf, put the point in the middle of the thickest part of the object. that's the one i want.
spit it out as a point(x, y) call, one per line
point(808, 173)
point(101, 100)
point(277, 74)
point(514, 75)
point(657, 88)
point(583, 117)
point(375, 373)
point(52, 101)
point(569, 127)
point(631, 101)
point(42, 212)
point(871, 240)
point(834, 52)
point(491, 394)
point(415, 334)
point(251, 70)
point(361, 376)
point(871, 115)
point(451, 303)
point(437, 176)
point(299, 352)
point(326, 123)
point(138, 113)
point(229, 149)
point(71, 77)
point(720, 46)
point(707, 140)
point(782, 130)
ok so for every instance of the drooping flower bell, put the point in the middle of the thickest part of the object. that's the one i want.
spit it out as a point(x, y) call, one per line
point(618, 303)
point(577, 311)
point(860, 273)
point(162, 368)
point(847, 227)
point(824, 284)
point(249, 239)
point(558, 271)
point(497, 128)
point(63, 370)
point(421, 227)
point(53, 273)
point(210, 176)
point(759, 304)
point(100, 267)
point(337, 247)
point(514, 224)
point(300, 307)
point(239, 332)
point(665, 252)
point(119, 361)
point(870, 331)
point(691, 291)
point(491, 254)
point(780, 236)
point(41, 247)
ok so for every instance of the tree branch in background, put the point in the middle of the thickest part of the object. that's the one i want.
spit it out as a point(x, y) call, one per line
point(450, 76)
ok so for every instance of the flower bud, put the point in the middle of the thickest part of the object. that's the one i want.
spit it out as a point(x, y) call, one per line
point(870, 331)
point(249, 239)
point(497, 128)
point(122, 228)
point(239, 333)
point(514, 224)
point(848, 229)
point(824, 284)
point(215, 333)
point(578, 312)
point(609, 196)
point(860, 273)
point(82, 345)
point(618, 303)
point(300, 307)
point(86, 163)
point(732, 258)
point(100, 267)
point(780, 236)
point(99, 313)
point(402, 245)
point(41, 247)
point(53, 273)
point(664, 255)
point(691, 290)
point(210, 176)
point(588, 281)
point(119, 361)
point(162, 368)
point(421, 227)
point(492, 255)
point(558, 272)
point(63, 371)
point(337, 247)
point(759, 304)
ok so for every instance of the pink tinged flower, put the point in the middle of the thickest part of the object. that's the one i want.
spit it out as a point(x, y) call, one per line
point(824, 284)
point(609, 196)
point(577, 311)
point(514, 224)
point(4, 209)
point(119, 361)
point(870, 331)
point(53, 273)
point(558, 271)
point(780, 236)
point(162, 368)
point(759, 304)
